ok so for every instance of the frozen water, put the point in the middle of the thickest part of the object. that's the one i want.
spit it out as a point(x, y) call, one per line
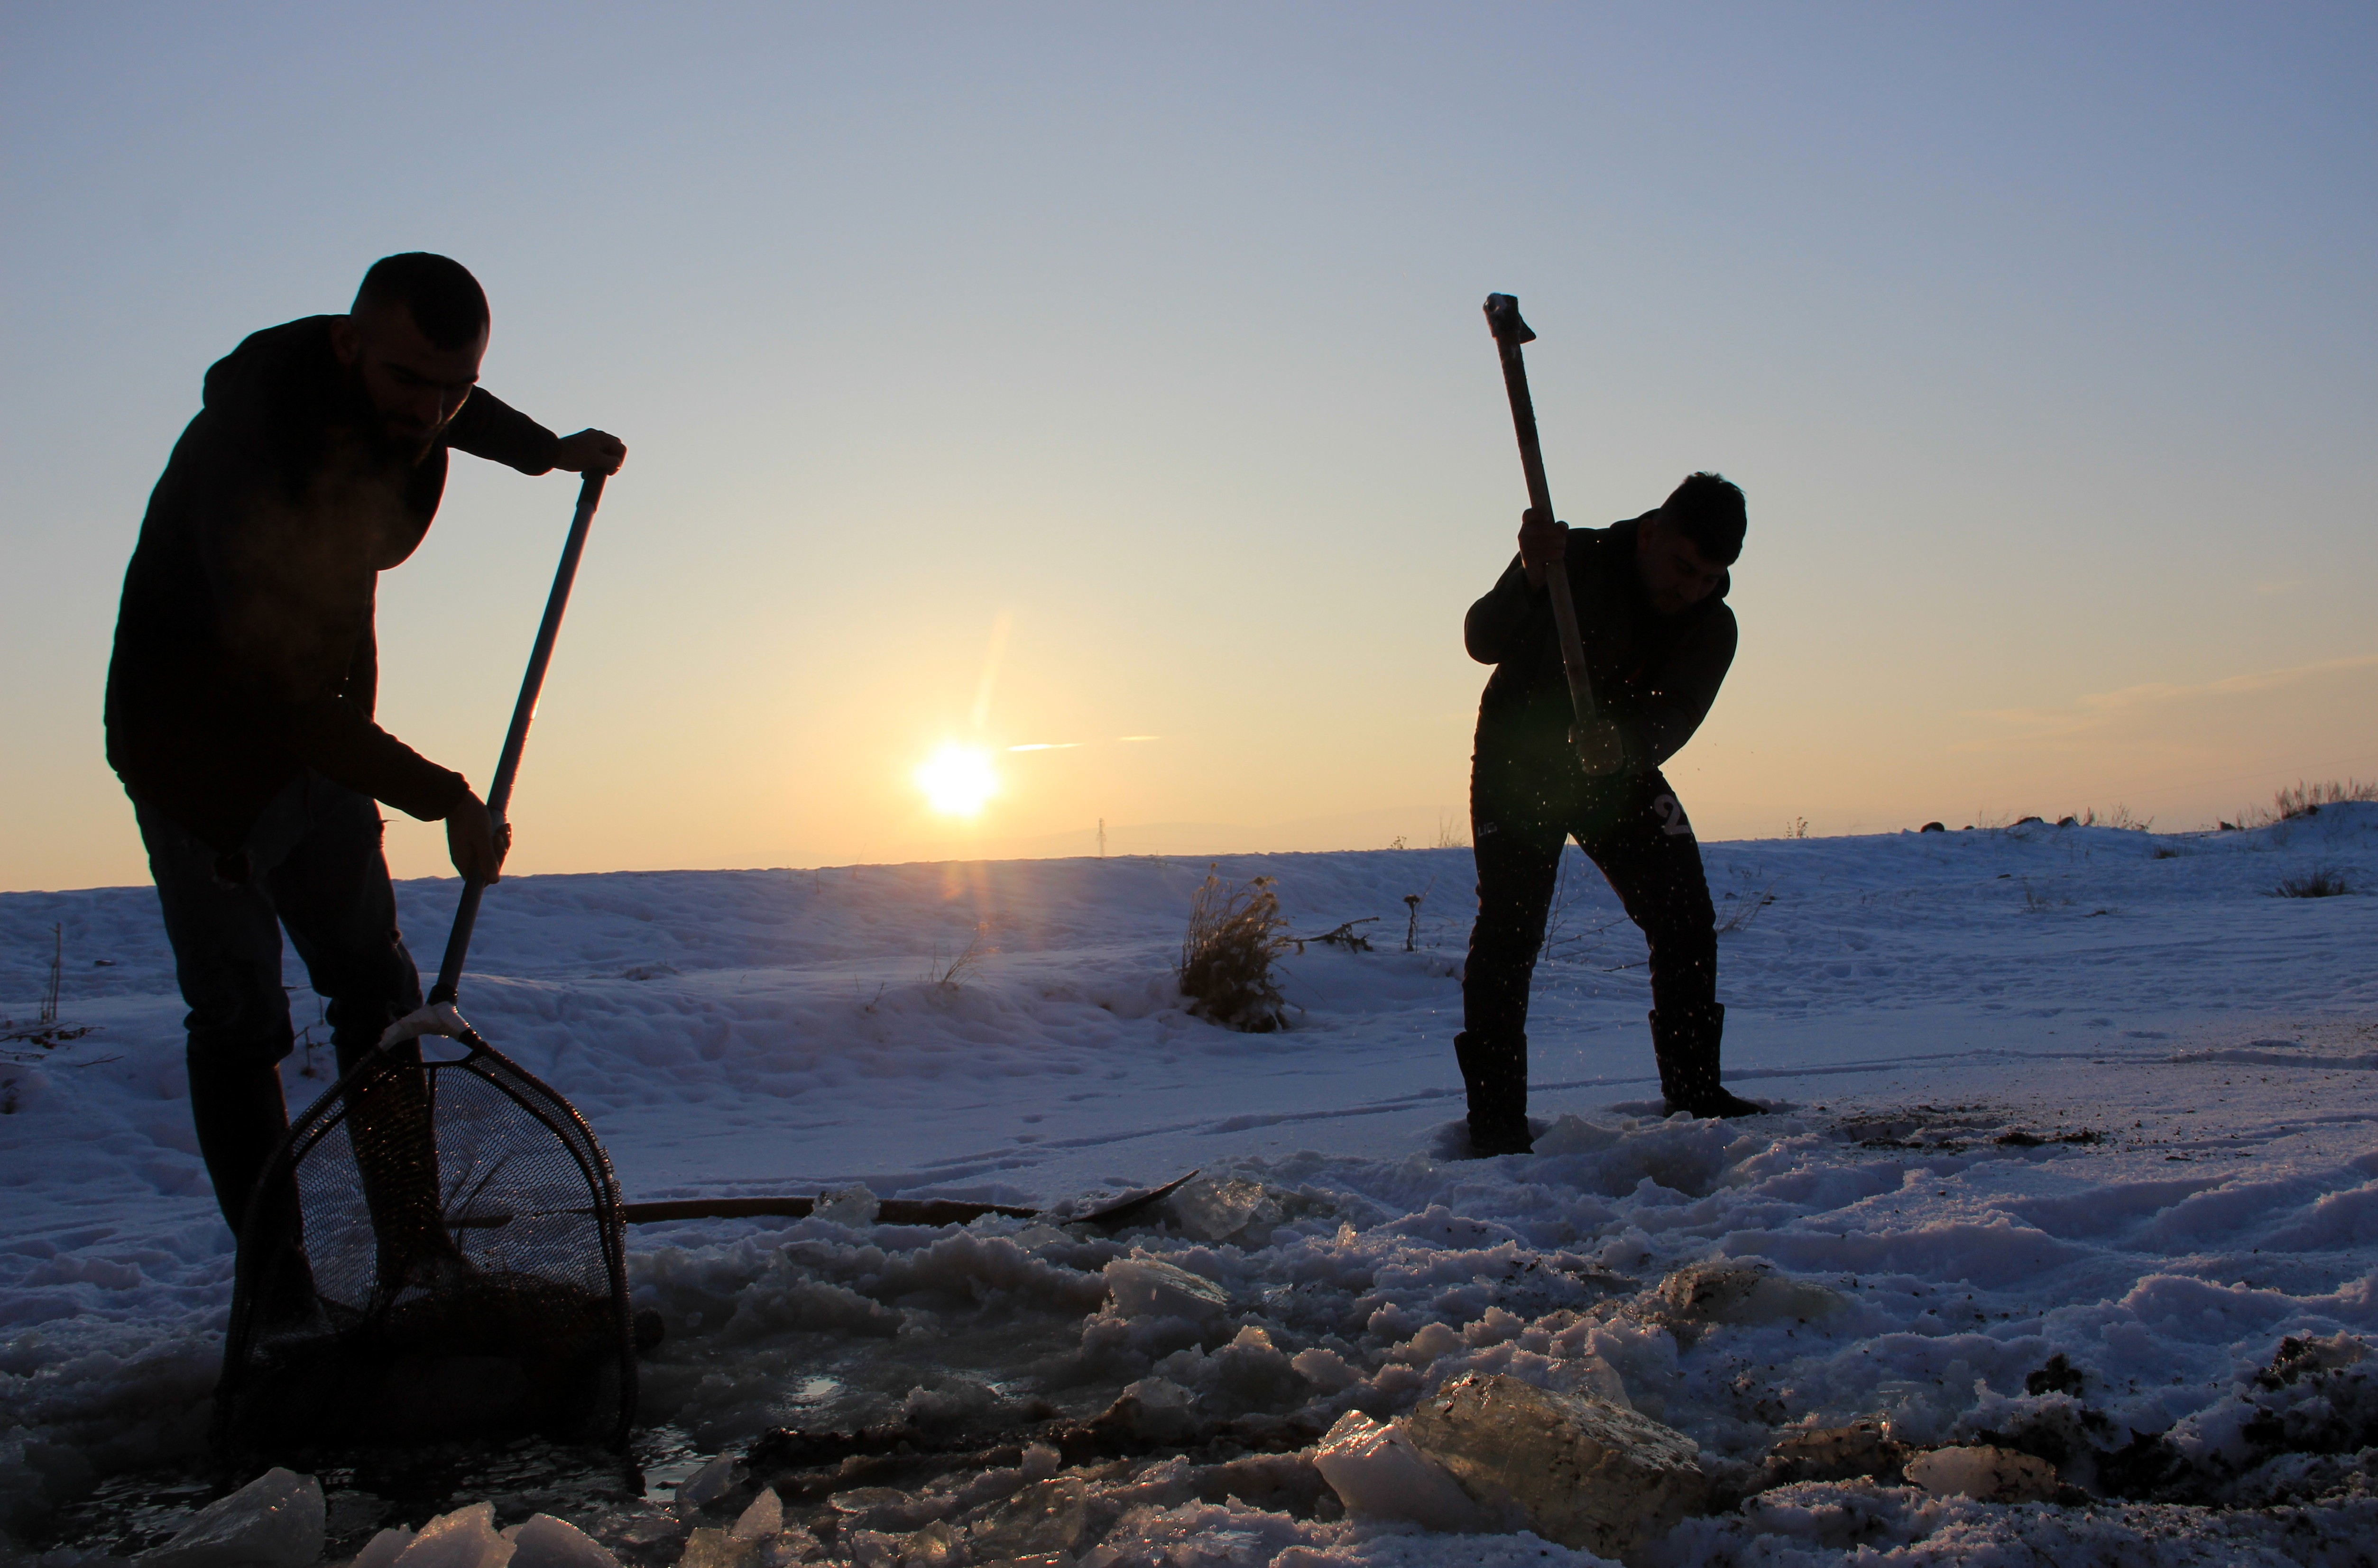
point(1984, 1474)
point(544, 1541)
point(1144, 1286)
point(1377, 1472)
point(275, 1521)
point(2077, 1109)
point(1577, 1470)
point(464, 1538)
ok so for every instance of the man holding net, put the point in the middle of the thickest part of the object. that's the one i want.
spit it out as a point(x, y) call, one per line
point(1658, 640)
point(240, 699)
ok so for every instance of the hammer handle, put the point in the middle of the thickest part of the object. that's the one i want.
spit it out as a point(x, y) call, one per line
point(1540, 498)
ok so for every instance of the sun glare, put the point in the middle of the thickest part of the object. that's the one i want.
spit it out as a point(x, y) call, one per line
point(957, 779)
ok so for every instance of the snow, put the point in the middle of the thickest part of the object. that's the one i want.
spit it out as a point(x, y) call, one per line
point(2077, 1093)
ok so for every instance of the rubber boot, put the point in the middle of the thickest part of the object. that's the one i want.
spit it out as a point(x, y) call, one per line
point(1685, 1042)
point(1496, 1077)
point(396, 1155)
point(241, 1120)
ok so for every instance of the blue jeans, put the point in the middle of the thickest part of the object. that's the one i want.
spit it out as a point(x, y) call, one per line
point(312, 863)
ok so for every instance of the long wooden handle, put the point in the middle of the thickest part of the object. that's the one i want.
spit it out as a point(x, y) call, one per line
point(499, 794)
point(1540, 498)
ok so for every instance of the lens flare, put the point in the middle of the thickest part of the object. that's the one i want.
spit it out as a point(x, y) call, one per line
point(957, 779)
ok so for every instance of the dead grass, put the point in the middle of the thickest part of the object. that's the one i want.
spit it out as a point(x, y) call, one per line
point(2305, 799)
point(1226, 958)
point(2321, 882)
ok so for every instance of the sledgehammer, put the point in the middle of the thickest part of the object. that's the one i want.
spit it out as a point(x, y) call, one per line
point(1598, 750)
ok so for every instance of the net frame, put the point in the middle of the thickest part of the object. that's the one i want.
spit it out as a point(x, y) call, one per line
point(320, 1373)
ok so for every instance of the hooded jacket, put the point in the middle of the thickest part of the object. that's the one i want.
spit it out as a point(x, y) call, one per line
point(245, 650)
point(1654, 676)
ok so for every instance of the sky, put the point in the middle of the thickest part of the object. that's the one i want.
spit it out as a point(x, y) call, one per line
point(1109, 380)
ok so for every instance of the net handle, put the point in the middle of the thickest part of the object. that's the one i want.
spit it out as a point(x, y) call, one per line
point(500, 795)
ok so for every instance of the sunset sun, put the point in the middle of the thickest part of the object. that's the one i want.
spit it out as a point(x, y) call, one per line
point(957, 779)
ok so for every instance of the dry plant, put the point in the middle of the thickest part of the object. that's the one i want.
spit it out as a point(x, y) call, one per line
point(1567, 937)
point(2305, 800)
point(2321, 882)
point(1344, 936)
point(1226, 958)
point(1449, 831)
point(1741, 918)
point(948, 976)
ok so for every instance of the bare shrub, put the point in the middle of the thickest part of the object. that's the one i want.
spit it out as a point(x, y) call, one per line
point(1226, 958)
point(1449, 831)
point(1747, 911)
point(949, 975)
point(2321, 882)
point(1345, 936)
point(2305, 799)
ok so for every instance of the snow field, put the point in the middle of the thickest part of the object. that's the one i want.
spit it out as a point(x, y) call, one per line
point(2074, 1094)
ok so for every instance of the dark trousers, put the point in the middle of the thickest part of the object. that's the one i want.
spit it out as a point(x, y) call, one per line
point(1637, 834)
point(312, 863)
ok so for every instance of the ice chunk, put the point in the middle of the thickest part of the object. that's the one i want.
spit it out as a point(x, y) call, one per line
point(1045, 1516)
point(1150, 1287)
point(275, 1521)
point(763, 1519)
point(1985, 1475)
point(548, 1542)
point(708, 1484)
point(384, 1549)
point(1042, 1460)
point(1583, 1471)
point(1735, 1290)
point(1832, 1454)
point(1376, 1473)
point(855, 1204)
point(464, 1538)
point(1572, 1134)
point(709, 1548)
point(1325, 1368)
point(1154, 1410)
point(1215, 1210)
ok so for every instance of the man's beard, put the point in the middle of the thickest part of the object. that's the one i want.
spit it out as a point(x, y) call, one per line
point(407, 448)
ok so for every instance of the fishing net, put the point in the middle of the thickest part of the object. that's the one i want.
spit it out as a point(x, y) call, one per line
point(436, 1251)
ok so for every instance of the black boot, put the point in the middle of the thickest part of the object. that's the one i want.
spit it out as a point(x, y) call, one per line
point(1686, 1041)
point(241, 1120)
point(1496, 1077)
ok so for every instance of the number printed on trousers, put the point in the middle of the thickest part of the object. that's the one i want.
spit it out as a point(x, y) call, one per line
point(1672, 815)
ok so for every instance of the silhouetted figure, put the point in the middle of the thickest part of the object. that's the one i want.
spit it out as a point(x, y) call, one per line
point(1658, 640)
point(240, 698)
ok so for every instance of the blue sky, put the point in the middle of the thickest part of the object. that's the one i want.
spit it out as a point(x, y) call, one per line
point(2038, 336)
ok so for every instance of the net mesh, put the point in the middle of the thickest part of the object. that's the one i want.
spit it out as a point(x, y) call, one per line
point(436, 1251)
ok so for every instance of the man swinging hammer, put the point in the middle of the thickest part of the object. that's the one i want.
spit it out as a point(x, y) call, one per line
point(240, 696)
point(1657, 639)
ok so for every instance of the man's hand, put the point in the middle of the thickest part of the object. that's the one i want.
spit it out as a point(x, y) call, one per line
point(1601, 750)
point(1542, 542)
point(591, 452)
point(473, 841)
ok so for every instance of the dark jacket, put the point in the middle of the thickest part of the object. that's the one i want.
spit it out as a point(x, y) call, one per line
point(244, 645)
point(1654, 676)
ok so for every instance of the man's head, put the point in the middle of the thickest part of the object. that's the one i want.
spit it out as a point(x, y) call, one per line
point(1682, 550)
point(413, 340)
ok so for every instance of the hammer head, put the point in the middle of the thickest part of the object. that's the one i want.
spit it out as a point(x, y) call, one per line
point(1503, 320)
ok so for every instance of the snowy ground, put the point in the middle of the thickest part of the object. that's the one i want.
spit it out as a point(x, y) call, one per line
point(2049, 1092)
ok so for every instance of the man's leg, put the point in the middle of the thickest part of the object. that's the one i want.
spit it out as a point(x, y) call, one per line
point(334, 895)
point(1518, 864)
point(227, 960)
point(1647, 852)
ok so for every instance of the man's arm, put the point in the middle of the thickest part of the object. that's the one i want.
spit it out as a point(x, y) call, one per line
point(1686, 687)
point(491, 428)
point(1509, 620)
